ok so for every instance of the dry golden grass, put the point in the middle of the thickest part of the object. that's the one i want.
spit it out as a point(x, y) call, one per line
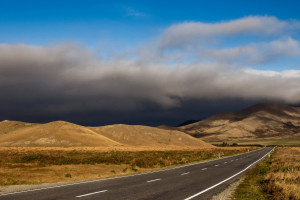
point(34, 174)
point(278, 142)
point(275, 178)
point(40, 165)
point(283, 179)
point(106, 149)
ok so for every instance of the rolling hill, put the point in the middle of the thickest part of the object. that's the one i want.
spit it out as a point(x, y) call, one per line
point(260, 121)
point(58, 133)
point(136, 135)
point(65, 134)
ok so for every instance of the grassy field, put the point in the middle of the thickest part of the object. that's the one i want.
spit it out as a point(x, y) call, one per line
point(28, 166)
point(278, 142)
point(276, 178)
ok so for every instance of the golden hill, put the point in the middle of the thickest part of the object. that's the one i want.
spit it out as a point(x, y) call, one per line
point(7, 126)
point(58, 133)
point(65, 134)
point(136, 135)
point(256, 122)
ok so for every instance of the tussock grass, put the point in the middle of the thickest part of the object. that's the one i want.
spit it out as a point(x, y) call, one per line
point(28, 167)
point(276, 178)
point(142, 159)
point(283, 179)
point(264, 142)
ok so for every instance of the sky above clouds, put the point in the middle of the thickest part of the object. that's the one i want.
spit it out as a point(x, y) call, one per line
point(145, 62)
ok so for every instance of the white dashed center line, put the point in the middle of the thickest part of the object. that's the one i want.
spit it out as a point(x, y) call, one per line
point(216, 165)
point(211, 187)
point(185, 173)
point(225, 162)
point(92, 193)
point(158, 179)
point(204, 169)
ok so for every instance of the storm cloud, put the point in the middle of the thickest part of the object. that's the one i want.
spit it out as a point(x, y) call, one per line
point(69, 78)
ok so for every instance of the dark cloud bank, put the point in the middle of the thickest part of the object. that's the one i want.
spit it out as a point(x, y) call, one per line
point(69, 82)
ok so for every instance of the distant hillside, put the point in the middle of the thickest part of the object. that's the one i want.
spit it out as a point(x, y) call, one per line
point(65, 134)
point(136, 135)
point(263, 120)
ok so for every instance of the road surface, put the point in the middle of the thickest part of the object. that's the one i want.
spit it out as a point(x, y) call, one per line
point(195, 181)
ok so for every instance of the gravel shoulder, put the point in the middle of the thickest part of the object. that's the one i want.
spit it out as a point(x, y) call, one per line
point(18, 188)
point(229, 191)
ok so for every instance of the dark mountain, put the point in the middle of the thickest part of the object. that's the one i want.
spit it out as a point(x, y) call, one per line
point(263, 120)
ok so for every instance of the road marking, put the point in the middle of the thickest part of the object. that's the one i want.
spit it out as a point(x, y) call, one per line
point(236, 159)
point(231, 161)
point(158, 179)
point(193, 196)
point(91, 193)
point(216, 165)
point(204, 169)
point(225, 162)
point(125, 176)
point(185, 173)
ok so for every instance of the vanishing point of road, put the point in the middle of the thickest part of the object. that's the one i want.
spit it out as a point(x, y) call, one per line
point(195, 181)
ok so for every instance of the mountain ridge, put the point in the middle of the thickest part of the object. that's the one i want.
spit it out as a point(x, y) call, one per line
point(264, 120)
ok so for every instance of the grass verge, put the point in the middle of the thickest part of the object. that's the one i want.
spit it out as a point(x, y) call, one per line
point(276, 178)
point(252, 188)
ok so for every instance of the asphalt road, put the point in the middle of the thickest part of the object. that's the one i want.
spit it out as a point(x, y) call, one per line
point(196, 181)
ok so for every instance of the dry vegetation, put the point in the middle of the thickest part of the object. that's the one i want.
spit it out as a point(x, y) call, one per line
point(283, 179)
point(39, 165)
point(276, 178)
point(261, 142)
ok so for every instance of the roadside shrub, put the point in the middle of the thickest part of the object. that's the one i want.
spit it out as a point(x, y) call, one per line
point(68, 175)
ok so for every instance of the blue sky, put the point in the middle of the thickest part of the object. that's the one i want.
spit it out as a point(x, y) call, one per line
point(126, 22)
point(145, 61)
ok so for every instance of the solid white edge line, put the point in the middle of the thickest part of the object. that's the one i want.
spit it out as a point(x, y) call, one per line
point(227, 178)
point(158, 179)
point(97, 180)
point(91, 193)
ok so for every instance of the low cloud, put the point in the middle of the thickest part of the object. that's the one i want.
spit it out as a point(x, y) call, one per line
point(68, 78)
